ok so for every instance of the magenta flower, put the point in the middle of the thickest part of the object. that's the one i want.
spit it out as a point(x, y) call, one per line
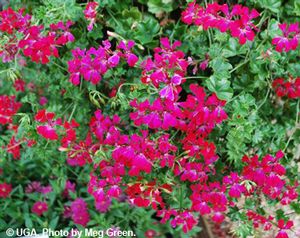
point(39, 208)
point(289, 39)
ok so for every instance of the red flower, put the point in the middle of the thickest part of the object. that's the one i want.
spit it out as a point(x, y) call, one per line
point(8, 108)
point(283, 227)
point(19, 85)
point(290, 89)
point(238, 21)
point(39, 208)
point(5, 190)
point(47, 131)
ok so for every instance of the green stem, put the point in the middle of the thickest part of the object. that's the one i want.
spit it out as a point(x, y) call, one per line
point(74, 108)
point(197, 77)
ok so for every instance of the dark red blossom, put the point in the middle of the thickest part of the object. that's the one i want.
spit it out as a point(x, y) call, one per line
point(8, 108)
point(5, 190)
point(19, 85)
point(290, 88)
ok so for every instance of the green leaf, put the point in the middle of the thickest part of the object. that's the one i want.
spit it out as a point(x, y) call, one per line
point(53, 223)
point(160, 6)
point(147, 30)
point(221, 67)
point(272, 5)
point(220, 87)
point(28, 221)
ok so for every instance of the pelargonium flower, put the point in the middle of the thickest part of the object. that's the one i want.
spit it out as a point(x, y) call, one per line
point(5, 190)
point(19, 85)
point(48, 130)
point(36, 186)
point(43, 101)
point(90, 13)
point(167, 69)
point(8, 108)
point(39, 208)
point(290, 89)
point(186, 219)
point(238, 21)
point(283, 228)
point(79, 211)
point(289, 39)
point(14, 147)
point(93, 63)
point(131, 58)
point(12, 21)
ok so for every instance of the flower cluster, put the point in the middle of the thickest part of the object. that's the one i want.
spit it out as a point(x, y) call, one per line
point(50, 127)
point(79, 212)
point(36, 186)
point(239, 21)
point(14, 145)
point(33, 42)
point(8, 108)
point(167, 68)
point(289, 39)
point(290, 89)
point(90, 13)
point(92, 64)
point(268, 222)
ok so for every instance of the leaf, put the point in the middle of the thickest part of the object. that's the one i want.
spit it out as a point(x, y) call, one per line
point(272, 5)
point(133, 13)
point(160, 6)
point(220, 87)
point(28, 221)
point(147, 30)
point(53, 223)
point(221, 67)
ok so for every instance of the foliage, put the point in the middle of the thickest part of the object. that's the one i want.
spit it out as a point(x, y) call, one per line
point(144, 115)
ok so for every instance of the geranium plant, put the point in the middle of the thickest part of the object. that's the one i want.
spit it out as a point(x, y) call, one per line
point(149, 116)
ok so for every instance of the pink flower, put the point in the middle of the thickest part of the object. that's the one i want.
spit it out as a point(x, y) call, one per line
point(90, 13)
point(238, 21)
point(69, 187)
point(289, 39)
point(39, 208)
point(43, 101)
point(132, 59)
point(79, 211)
point(218, 217)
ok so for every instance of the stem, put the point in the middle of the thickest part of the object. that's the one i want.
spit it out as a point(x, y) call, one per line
point(59, 66)
point(196, 77)
point(74, 108)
